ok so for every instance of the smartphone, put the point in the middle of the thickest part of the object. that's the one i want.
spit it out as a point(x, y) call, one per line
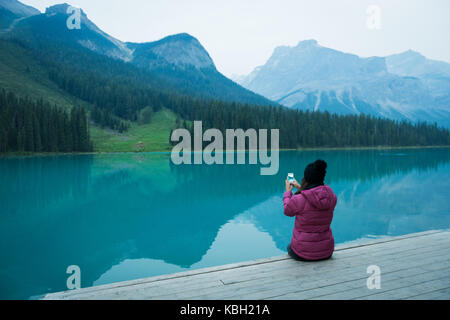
point(291, 177)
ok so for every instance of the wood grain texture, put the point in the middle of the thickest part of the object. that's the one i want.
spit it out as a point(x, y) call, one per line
point(414, 266)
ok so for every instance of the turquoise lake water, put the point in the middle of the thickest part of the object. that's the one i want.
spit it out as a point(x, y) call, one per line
point(127, 216)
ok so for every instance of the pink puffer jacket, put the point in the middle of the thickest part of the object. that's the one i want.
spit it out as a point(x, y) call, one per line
point(313, 209)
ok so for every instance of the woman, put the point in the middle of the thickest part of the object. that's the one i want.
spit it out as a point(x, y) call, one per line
point(313, 207)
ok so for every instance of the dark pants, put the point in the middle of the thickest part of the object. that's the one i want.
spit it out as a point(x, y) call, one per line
point(297, 257)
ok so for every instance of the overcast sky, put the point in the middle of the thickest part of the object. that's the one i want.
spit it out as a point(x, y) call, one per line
point(241, 34)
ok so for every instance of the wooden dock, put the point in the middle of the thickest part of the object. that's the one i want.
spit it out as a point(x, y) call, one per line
point(414, 266)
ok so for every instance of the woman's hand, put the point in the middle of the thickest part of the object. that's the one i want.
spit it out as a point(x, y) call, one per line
point(288, 186)
point(296, 184)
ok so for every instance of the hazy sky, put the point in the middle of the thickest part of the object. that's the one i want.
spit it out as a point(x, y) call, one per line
point(241, 34)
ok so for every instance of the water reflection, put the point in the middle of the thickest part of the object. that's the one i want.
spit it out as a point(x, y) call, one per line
point(41, 181)
point(126, 216)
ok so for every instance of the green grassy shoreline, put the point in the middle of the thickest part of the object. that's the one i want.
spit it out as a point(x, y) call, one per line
point(48, 154)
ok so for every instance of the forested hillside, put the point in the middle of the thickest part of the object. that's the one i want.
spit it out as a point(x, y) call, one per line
point(119, 95)
point(172, 61)
point(35, 126)
point(122, 94)
point(121, 91)
point(300, 129)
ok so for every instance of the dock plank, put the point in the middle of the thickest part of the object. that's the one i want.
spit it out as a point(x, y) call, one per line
point(414, 266)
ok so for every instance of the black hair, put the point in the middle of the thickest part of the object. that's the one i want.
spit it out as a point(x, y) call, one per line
point(315, 172)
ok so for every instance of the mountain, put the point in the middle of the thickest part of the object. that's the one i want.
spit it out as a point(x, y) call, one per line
point(180, 50)
point(412, 63)
point(40, 58)
point(312, 77)
point(177, 63)
point(238, 78)
point(183, 63)
point(51, 26)
point(434, 74)
point(18, 8)
point(138, 92)
point(11, 10)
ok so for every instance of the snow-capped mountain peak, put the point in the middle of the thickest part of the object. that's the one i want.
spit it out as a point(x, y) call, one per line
point(312, 77)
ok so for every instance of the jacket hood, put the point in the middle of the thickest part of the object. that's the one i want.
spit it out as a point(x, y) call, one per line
point(321, 197)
